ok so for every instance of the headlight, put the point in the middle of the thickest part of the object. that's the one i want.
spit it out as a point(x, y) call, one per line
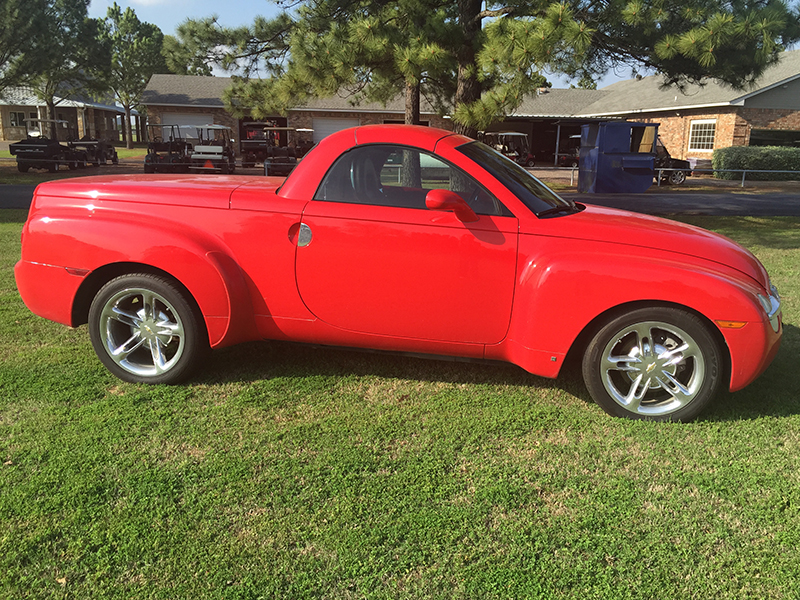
point(772, 306)
point(765, 303)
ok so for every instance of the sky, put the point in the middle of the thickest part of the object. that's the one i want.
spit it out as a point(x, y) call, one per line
point(168, 14)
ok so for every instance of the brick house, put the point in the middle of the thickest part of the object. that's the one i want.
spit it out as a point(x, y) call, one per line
point(693, 122)
point(197, 100)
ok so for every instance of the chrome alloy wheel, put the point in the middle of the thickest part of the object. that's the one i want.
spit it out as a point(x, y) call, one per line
point(142, 332)
point(652, 368)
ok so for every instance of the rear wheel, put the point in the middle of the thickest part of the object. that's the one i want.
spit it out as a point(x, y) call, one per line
point(144, 330)
point(659, 364)
point(23, 167)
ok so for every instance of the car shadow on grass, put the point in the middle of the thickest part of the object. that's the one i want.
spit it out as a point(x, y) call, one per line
point(775, 394)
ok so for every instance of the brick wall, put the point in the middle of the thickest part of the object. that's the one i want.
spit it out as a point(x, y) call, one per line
point(159, 115)
point(733, 127)
point(772, 118)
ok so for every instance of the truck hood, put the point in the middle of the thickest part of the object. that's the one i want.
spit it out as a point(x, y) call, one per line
point(206, 191)
point(644, 231)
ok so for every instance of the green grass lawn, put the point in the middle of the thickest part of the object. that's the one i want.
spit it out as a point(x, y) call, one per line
point(290, 472)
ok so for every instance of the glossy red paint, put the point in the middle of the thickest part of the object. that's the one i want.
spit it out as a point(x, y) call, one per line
point(263, 259)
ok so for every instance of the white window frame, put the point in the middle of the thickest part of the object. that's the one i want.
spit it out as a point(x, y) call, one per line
point(694, 146)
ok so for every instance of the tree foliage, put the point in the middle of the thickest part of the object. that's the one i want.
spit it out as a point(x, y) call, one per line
point(373, 51)
point(19, 34)
point(69, 56)
point(135, 49)
point(485, 57)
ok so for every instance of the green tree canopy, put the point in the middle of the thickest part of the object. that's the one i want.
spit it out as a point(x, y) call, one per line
point(485, 57)
point(69, 57)
point(374, 51)
point(19, 35)
point(135, 55)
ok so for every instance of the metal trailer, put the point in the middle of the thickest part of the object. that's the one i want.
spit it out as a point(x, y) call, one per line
point(39, 151)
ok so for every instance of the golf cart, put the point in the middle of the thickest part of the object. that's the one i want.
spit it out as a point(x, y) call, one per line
point(98, 152)
point(167, 150)
point(39, 151)
point(675, 170)
point(267, 143)
point(213, 151)
point(512, 144)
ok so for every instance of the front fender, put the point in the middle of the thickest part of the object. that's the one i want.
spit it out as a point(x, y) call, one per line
point(561, 292)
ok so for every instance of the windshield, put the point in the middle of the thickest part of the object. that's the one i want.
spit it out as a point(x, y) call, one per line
point(532, 192)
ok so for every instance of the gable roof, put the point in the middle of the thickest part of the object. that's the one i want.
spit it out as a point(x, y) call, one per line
point(556, 102)
point(199, 91)
point(623, 98)
point(24, 96)
point(648, 95)
point(185, 90)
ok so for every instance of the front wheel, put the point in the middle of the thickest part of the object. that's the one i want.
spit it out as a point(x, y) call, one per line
point(144, 330)
point(677, 177)
point(658, 364)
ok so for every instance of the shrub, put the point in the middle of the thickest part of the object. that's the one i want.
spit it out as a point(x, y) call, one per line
point(758, 158)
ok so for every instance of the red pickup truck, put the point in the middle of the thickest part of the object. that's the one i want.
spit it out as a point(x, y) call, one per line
point(405, 239)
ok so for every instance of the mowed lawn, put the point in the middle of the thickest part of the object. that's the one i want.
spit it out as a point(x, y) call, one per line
point(290, 472)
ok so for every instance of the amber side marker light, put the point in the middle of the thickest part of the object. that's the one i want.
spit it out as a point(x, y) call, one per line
point(731, 324)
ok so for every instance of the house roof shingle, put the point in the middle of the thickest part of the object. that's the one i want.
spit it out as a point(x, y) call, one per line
point(622, 98)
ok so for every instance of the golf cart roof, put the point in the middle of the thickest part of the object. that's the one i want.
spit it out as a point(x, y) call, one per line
point(508, 133)
point(211, 126)
point(46, 121)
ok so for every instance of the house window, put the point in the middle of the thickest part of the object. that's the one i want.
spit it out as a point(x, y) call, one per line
point(17, 119)
point(701, 135)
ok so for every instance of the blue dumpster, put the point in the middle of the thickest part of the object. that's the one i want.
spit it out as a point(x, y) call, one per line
point(617, 157)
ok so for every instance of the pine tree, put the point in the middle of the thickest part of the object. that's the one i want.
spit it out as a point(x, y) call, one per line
point(486, 57)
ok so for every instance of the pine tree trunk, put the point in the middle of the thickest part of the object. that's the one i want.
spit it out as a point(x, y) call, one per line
point(412, 103)
point(468, 88)
point(410, 171)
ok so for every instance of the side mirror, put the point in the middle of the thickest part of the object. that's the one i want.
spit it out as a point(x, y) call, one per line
point(446, 200)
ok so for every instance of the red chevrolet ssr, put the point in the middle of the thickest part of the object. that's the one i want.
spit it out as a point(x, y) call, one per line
point(406, 239)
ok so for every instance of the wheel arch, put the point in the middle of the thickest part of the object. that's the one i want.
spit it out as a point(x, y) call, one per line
point(99, 277)
point(235, 326)
point(581, 342)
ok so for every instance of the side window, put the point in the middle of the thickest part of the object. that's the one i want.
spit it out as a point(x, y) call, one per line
point(387, 175)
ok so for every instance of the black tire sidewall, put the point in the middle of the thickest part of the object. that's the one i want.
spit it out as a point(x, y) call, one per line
point(195, 337)
point(693, 325)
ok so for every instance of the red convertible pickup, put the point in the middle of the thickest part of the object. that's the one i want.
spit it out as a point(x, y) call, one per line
point(405, 239)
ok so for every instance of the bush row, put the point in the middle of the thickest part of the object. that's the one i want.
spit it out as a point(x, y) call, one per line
point(766, 158)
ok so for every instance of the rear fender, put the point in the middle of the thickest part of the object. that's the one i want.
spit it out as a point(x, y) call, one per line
point(103, 248)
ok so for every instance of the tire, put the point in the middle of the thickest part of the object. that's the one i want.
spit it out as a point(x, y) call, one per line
point(673, 380)
point(676, 177)
point(23, 167)
point(144, 330)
